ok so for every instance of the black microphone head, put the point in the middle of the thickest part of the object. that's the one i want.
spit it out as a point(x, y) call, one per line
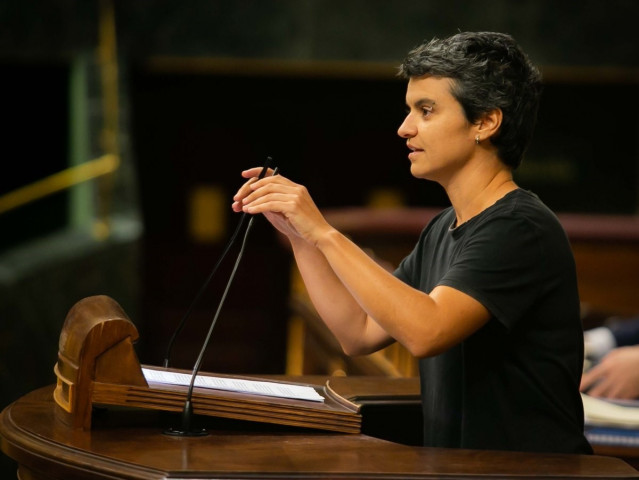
point(265, 167)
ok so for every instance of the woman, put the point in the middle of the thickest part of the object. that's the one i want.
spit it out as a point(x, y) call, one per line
point(488, 298)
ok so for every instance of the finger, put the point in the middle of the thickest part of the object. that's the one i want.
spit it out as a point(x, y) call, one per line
point(278, 198)
point(590, 378)
point(252, 172)
point(253, 175)
point(273, 202)
point(604, 386)
point(236, 207)
point(268, 186)
point(601, 389)
point(245, 189)
point(271, 178)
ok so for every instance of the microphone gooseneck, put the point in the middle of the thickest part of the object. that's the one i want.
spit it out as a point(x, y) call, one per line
point(187, 412)
point(180, 327)
point(178, 330)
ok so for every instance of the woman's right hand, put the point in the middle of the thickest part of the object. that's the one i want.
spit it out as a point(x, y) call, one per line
point(287, 205)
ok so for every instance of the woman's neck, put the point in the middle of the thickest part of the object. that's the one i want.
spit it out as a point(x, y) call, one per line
point(479, 188)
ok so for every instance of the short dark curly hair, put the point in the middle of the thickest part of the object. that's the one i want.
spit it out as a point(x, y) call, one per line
point(489, 70)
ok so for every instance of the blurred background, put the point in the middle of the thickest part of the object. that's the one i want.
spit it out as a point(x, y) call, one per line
point(127, 123)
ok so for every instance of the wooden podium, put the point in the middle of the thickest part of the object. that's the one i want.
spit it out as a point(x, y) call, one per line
point(97, 365)
point(57, 433)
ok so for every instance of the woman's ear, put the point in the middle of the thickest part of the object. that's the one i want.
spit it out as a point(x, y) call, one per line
point(488, 124)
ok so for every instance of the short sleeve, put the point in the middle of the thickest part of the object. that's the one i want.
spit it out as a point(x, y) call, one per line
point(501, 265)
point(417, 268)
point(406, 269)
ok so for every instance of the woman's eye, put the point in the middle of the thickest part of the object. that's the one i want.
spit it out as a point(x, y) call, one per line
point(426, 111)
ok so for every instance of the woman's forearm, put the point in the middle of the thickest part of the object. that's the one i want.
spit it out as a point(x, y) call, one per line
point(337, 307)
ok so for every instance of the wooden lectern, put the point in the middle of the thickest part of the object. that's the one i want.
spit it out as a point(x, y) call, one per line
point(52, 434)
point(97, 365)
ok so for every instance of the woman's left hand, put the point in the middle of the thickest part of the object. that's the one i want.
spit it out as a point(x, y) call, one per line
point(287, 205)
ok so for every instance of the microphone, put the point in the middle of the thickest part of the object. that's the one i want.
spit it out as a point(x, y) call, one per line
point(180, 326)
point(187, 412)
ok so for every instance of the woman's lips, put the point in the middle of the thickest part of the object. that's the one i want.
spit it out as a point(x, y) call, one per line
point(414, 151)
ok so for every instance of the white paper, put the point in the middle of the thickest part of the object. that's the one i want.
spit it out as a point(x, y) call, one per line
point(598, 411)
point(271, 389)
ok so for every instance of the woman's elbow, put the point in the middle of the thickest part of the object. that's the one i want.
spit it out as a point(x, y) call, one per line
point(356, 350)
point(424, 351)
point(418, 350)
point(426, 347)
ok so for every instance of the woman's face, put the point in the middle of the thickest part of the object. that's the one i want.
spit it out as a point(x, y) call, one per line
point(439, 136)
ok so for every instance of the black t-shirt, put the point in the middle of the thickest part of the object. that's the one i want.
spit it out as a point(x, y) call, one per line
point(514, 383)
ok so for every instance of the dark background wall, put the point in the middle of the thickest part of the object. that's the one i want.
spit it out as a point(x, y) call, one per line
point(208, 88)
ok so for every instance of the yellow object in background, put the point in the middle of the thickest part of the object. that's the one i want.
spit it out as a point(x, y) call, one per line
point(208, 207)
point(386, 198)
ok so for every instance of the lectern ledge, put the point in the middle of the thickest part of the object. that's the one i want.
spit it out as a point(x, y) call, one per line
point(97, 365)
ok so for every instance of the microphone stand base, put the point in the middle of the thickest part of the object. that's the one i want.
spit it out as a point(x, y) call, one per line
point(177, 432)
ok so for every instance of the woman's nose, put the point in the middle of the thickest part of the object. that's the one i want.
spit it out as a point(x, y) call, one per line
point(406, 130)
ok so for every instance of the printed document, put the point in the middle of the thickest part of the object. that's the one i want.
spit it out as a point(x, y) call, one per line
point(271, 389)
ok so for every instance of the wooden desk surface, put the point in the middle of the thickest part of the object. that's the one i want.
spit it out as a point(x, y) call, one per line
point(131, 445)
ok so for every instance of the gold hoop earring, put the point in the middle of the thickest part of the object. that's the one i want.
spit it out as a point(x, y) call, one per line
point(476, 139)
